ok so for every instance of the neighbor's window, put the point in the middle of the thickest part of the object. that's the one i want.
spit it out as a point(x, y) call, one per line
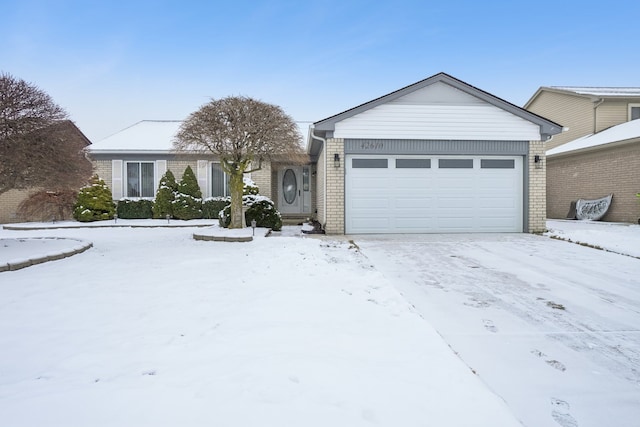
point(219, 181)
point(140, 182)
point(634, 111)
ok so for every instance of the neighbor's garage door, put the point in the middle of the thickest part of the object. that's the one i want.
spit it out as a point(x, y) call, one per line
point(433, 194)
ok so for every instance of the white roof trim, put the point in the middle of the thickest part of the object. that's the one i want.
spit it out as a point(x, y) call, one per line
point(625, 132)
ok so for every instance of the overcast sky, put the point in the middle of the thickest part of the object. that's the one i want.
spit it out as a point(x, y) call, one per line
point(113, 63)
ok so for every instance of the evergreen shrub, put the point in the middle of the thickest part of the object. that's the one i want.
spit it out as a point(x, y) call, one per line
point(95, 202)
point(212, 206)
point(188, 201)
point(166, 194)
point(260, 208)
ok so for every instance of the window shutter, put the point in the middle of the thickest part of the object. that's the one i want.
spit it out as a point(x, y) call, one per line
point(203, 180)
point(116, 179)
point(161, 169)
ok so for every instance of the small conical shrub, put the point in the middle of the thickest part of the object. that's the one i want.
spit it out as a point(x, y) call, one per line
point(188, 201)
point(95, 202)
point(166, 194)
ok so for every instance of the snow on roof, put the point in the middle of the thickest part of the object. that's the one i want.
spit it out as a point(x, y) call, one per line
point(154, 135)
point(601, 91)
point(622, 132)
point(146, 135)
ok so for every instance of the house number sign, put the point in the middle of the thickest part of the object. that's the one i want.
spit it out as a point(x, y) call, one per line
point(371, 145)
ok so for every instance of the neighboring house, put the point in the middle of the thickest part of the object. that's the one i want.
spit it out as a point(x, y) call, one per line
point(599, 154)
point(132, 161)
point(437, 156)
point(10, 201)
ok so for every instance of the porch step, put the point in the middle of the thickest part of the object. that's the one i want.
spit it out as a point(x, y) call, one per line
point(292, 219)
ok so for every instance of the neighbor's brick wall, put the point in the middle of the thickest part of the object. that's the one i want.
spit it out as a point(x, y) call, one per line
point(9, 202)
point(335, 188)
point(593, 175)
point(262, 179)
point(537, 188)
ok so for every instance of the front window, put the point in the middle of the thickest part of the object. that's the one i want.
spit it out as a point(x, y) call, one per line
point(140, 179)
point(219, 181)
point(634, 111)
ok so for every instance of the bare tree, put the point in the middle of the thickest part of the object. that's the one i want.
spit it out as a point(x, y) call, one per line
point(38, 146)
point(243, 133)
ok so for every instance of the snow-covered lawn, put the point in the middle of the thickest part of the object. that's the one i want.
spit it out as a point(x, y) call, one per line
point(153, 328)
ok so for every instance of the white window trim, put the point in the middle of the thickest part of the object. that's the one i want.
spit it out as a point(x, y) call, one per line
point(637, 105)
point(125, 179)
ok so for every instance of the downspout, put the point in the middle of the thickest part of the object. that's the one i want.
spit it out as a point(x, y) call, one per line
point(324, 149)
point(596, 104)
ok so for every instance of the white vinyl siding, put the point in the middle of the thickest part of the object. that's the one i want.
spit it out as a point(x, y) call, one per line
point(452, 122)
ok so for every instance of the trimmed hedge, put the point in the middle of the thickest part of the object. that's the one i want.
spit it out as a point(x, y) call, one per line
point(212, 206)
point(135, 209)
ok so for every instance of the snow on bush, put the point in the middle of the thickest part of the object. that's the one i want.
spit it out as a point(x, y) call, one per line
point(95, 202)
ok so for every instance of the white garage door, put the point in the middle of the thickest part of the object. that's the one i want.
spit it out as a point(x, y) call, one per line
point(433, 194)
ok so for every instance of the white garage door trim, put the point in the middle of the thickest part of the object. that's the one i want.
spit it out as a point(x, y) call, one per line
point(433, 194)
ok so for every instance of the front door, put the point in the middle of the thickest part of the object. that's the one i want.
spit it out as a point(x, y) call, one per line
point(294, 190)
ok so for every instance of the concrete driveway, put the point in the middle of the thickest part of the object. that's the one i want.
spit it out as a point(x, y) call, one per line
point(550, 326)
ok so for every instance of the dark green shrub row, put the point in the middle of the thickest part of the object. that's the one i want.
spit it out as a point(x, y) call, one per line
point(211, 207)
point(135, 209)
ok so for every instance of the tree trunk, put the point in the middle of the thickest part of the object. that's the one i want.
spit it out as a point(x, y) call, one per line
point(237, 187)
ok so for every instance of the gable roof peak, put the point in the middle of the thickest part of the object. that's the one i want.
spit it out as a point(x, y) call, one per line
point(547, 127)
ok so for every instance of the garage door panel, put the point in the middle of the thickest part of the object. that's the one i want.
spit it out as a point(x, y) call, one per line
point(434, 200)
point(373, 202)
point(414, 203)
point(369, 224)
point(496, 203)
point(456, 203)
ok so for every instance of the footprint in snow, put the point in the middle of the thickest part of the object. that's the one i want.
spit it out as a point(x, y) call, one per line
point(555, 364)
point(551, 362)
point(560, 413)
point(489, 326)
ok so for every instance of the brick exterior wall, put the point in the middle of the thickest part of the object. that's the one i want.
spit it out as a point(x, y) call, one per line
point(537, 188)
point(262, 179)
point(102, 168)
point(593, 175)
point(335, 188)
point(179, 166)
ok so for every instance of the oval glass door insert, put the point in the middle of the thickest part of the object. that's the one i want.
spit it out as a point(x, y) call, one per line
point(289, 186)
